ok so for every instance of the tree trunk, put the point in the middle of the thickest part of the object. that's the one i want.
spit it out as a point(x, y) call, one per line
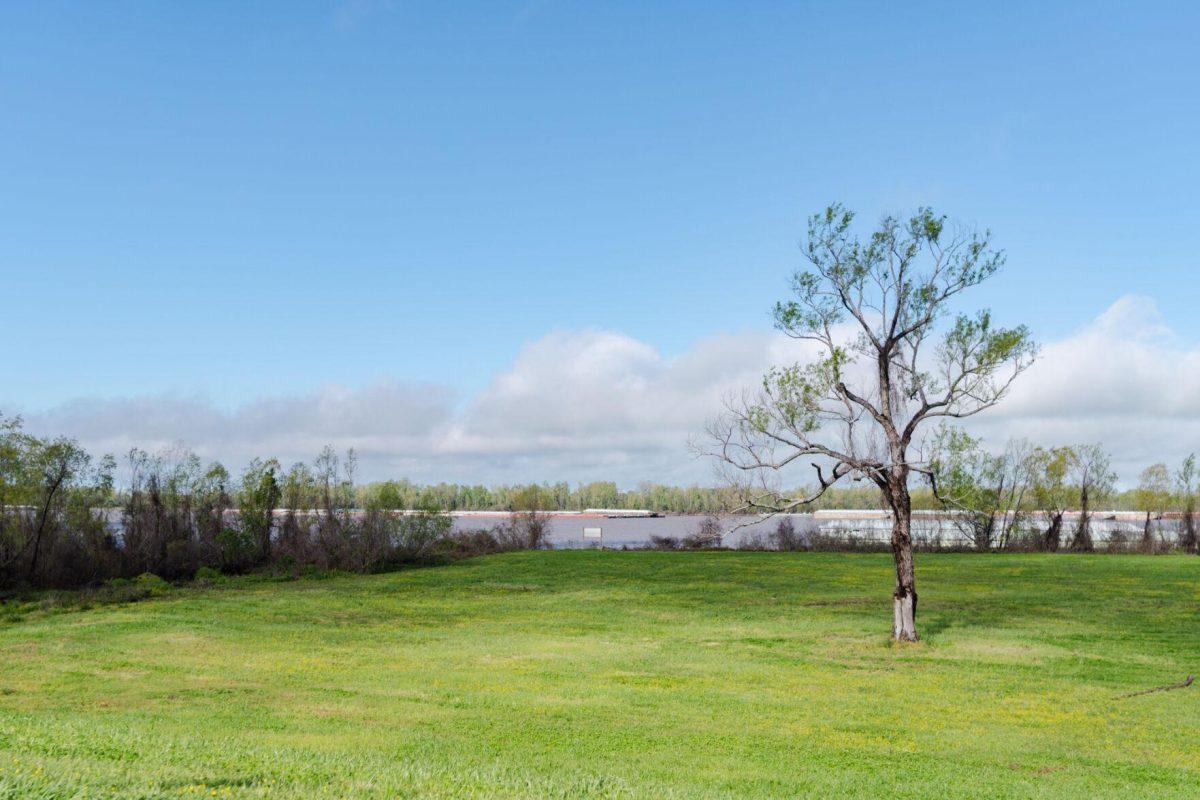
point(1082, 542)
point(1189, 528)
point(904, 599)
point(1147, 535)
point(264, 532)
point(55, 483)
point(1053, 536)
point(983, 531)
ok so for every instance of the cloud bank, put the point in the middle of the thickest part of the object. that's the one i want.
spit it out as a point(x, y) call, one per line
point(1126, 380)
point(583, 405)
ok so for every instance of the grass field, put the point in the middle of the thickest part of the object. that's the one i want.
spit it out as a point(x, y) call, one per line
point(606, 674)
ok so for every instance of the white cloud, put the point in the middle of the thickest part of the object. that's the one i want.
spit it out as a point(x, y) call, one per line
point(1125, 380)
point(381, 421)
point(574, 405)
point(594, 404)
point(597, 404)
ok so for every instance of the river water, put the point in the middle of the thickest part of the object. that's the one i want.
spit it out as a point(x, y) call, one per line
point(589, 529)
point(866, 527)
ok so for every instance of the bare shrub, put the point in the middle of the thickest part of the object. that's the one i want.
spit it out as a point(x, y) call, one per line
point(1119, 541)
point(786, 537)
point(1026, 539)
point(468, 544)
point(507, 537)
point(525, 530)
point(708, 535)
point(844, 542)
point(754, 542)
point(664, 543)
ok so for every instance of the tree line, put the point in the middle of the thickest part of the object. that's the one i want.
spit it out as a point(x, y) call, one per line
point(66, 519)
point(1159, 485)
point(65, 523)
point(1028, 491)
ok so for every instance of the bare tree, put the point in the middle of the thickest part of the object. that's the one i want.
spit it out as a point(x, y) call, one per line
point(1090, 472)
point(880, 300)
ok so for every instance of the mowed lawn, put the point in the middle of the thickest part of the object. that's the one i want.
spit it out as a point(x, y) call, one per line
point(611, 674)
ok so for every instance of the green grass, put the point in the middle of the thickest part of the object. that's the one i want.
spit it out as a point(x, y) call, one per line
point(604, 674)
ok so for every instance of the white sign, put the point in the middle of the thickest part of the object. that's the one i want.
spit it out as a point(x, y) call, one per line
point(592, 533)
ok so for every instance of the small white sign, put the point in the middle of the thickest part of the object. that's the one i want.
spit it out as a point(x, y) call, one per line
point(592, 533)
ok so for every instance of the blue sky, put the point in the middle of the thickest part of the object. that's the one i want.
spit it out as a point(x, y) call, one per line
point(246, 201)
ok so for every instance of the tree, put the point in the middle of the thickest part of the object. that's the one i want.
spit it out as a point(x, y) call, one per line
point(1185, 479)
point(1152, 495)
point(57, 464)
point(259, 496)
point(38, 480)
point(987, 490)
point(18, 482)
point(210, 500)
point(1051, 494)
point(599, 494)
point(529, 524)
point(1088, 469)
point(879, 300)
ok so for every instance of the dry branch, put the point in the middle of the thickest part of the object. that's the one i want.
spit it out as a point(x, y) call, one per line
point(1183, 684)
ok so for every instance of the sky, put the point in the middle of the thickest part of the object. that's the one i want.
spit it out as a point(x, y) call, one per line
point(538, 240)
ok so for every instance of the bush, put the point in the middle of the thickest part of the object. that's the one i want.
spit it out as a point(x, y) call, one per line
point(151, 584)
point(525, 530)
point(207, 576)
point(468, 544)
point(238, 549)
point(785, 536)
point(755, 542)
point(708, 535)
point(841, 541)
point(1026, 540)
point(285, 566)
point(663, 543)
point(414, 538)
point(313, 572)
point(498, 539)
